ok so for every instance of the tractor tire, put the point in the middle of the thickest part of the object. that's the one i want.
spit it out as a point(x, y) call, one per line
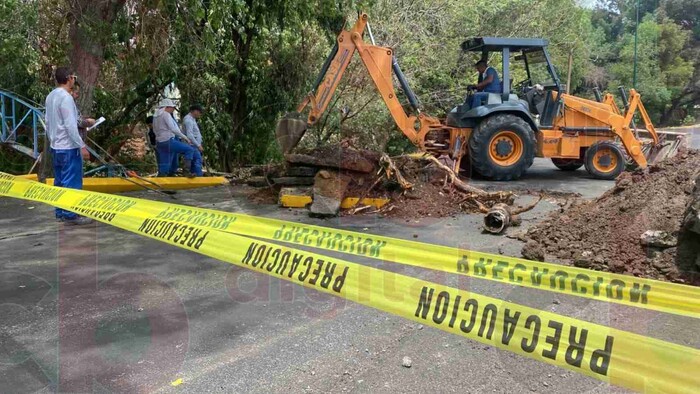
point(604, 160)
point(502, 147)
point(568, 164)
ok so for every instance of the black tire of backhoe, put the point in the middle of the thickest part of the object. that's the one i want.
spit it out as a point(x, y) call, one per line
point(480, 140)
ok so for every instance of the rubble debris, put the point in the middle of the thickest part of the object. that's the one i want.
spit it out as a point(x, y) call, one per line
point(604, 234)
point(337, 157)
point(328, 192)
point(658, 239)
point(301, 171)
point(293, 181)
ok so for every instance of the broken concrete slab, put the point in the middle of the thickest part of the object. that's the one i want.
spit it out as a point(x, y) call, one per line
point(293, 181)
point(323, 206)
point(329, 190)
point(258, 181)
point(301, 171)
point(336, 157)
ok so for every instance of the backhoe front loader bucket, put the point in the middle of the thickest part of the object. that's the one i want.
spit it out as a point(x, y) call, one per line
point(668, 146)
point(289, 131)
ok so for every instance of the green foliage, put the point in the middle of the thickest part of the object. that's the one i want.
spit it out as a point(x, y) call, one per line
point(661, 70)
point(668, 54)
point(20, 60)
point(249, 61)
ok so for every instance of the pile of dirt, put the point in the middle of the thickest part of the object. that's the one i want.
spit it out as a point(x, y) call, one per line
point(605, 234)
point(429, 197)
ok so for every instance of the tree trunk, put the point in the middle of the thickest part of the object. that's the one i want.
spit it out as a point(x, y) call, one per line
point(90, 23)
point(238, 98)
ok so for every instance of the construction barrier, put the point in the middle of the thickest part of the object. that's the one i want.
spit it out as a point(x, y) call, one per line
point(602, 286)
point(629, 360)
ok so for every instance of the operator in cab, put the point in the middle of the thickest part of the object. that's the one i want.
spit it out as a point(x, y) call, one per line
point(488, 82)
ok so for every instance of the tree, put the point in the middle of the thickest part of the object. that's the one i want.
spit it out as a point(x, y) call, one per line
point(89, 33)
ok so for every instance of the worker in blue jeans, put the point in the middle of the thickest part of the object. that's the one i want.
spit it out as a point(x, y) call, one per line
point(488, 82)
point(191, 130)
point(67, 147)
point(168, 146)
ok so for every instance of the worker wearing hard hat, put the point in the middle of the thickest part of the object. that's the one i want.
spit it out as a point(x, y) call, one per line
point(167, 134)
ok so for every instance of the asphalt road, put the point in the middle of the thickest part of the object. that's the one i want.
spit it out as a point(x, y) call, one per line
point(99, 309)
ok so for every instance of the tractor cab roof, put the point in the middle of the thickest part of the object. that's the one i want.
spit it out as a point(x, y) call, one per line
point(496, 44)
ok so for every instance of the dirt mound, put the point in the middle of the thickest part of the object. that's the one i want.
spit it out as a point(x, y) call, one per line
point(605, 234)
point(428, 197)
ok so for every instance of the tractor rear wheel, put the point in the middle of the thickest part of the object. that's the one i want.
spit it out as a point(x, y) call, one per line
point(502, 147)
point(568, 164)
point(604, 160)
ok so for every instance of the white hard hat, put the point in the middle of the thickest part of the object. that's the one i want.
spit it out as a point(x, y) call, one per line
point(164, 103)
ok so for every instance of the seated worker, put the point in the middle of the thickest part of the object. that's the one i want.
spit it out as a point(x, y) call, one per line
point(167, 134)
point(191, 128)
point(488, 82)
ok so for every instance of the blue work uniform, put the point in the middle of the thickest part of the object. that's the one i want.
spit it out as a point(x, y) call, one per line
point(493, 87)
point(166, 129)
point(62, 131)
point(191, 129)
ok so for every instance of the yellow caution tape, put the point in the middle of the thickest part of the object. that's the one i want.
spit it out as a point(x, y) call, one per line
point(618, 357)
point(603, 286)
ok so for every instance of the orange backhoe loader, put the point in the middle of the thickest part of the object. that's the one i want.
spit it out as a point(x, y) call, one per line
point(500, 133)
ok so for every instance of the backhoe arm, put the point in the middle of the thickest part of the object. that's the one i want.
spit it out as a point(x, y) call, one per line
point(380, 63)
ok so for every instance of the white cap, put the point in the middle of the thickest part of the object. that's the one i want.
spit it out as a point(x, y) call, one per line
point(166, 103)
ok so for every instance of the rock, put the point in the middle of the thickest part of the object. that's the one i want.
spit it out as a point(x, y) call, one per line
point(335, 157)
point(533, 251)
point(623, 182)
point(658, 239)
point(407, 362)
point(329, 190)
point(323, 206)
point(584, 260)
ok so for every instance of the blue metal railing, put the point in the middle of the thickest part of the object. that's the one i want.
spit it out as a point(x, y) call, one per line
point(20, 117)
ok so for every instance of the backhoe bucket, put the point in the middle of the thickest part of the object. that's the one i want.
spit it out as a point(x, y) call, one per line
point(669, 144)
point(289, 131)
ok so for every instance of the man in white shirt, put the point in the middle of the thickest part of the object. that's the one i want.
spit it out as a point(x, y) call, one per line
point(67, 147)
point(167, 134)
point(191, 128)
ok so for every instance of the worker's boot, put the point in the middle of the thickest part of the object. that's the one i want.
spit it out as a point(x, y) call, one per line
point(187, 169)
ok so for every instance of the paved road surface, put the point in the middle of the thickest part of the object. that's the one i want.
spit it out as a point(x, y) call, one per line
point(100, 309)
